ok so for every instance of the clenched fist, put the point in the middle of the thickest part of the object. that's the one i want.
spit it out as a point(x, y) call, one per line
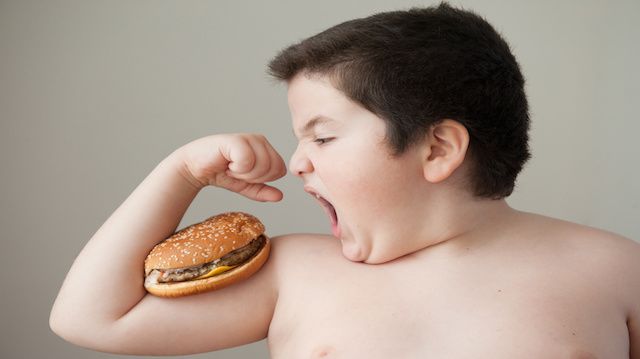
point(241, 163)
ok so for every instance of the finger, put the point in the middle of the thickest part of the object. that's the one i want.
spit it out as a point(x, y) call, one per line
point(266, 172)
point(262, 192)
point(260, 165)
point(256, 191)
point(229, 182)
point(240, 155)
point(278, 167)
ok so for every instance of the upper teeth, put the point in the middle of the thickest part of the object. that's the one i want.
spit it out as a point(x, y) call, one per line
point(317, 196)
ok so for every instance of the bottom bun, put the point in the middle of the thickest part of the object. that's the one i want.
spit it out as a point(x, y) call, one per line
point(237, 274)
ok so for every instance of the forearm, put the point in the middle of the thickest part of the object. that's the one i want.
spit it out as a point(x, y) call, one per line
point(106, 279)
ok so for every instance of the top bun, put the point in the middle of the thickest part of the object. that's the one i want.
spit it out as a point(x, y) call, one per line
point(204, 242)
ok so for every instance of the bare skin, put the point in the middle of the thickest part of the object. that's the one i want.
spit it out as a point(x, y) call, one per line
point(568, 294)
point(496, 283)
point(418, 266)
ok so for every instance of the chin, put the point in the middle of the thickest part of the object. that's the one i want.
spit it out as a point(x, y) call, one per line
point(353, 252)
point(358, 253)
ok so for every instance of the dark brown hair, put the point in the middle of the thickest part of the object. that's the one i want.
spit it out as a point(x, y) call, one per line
point(417, 67)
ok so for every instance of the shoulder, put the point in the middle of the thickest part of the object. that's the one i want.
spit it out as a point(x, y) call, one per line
point(295, 253)
point(595, 244)
point(618, 259)
point(565, 233)
point(305, 243)
point(616, 255)
point(609, 258)
point(608, 262)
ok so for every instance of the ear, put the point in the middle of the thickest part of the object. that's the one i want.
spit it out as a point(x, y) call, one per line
point(445, 148)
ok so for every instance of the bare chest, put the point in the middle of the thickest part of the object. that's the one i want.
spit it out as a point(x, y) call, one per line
point(449, 312)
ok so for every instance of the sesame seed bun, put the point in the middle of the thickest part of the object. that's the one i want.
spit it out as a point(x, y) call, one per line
point(205, 242)
point(220, 281)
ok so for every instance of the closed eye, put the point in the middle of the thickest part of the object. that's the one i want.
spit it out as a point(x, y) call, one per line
point(321, 141)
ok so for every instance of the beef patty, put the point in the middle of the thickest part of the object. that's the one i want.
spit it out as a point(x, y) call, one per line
point(234, 258)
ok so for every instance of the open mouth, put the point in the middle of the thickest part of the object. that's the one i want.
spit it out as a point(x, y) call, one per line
point(329, 210)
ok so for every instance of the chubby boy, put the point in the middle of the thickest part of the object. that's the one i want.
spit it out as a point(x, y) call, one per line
point(412, 128)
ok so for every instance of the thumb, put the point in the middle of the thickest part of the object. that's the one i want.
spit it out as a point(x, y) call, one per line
point(255, 191)
point(262, 192)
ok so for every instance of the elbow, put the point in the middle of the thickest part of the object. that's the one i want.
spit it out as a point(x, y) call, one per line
point(75, 331)
point(63, 327)
point(101, 337)
point(56, 323)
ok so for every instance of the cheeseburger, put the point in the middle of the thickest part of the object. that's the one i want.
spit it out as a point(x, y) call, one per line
point(222, 250)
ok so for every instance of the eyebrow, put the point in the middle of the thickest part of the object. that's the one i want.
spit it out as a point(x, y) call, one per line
point(315, 121)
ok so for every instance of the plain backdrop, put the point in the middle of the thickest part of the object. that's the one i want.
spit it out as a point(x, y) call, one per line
point(94, 94)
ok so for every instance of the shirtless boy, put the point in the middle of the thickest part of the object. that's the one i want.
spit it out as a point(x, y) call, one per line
point(413, 125)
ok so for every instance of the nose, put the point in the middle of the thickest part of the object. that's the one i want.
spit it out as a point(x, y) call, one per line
point(299, 163)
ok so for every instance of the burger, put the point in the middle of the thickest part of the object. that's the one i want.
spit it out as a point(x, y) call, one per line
point(215, 253)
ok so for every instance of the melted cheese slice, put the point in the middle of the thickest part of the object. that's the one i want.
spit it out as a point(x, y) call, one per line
point(215, 271)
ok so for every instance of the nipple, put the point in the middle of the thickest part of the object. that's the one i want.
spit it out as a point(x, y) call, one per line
point(323, 351)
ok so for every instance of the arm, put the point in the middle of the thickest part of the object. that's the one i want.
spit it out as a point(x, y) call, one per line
point(634, 335)
point(633, 316)
point(633, 321)
point(102, 304)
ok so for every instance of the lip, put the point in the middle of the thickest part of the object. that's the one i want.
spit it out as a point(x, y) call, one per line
point(328, 208)
point(312, 191)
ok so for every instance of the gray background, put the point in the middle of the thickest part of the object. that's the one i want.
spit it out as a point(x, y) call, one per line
point(94, 94)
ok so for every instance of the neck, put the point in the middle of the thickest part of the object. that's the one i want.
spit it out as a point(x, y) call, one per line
point(453, 221)
point(465, 222)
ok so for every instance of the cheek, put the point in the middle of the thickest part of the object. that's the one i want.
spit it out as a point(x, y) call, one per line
point(362, 182)
point(384, 184)
point(359, 174)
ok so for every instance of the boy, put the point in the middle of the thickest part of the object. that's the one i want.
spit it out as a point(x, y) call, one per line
point(412, 128)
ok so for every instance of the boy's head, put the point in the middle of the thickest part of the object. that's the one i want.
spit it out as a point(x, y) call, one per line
point(416, 68)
